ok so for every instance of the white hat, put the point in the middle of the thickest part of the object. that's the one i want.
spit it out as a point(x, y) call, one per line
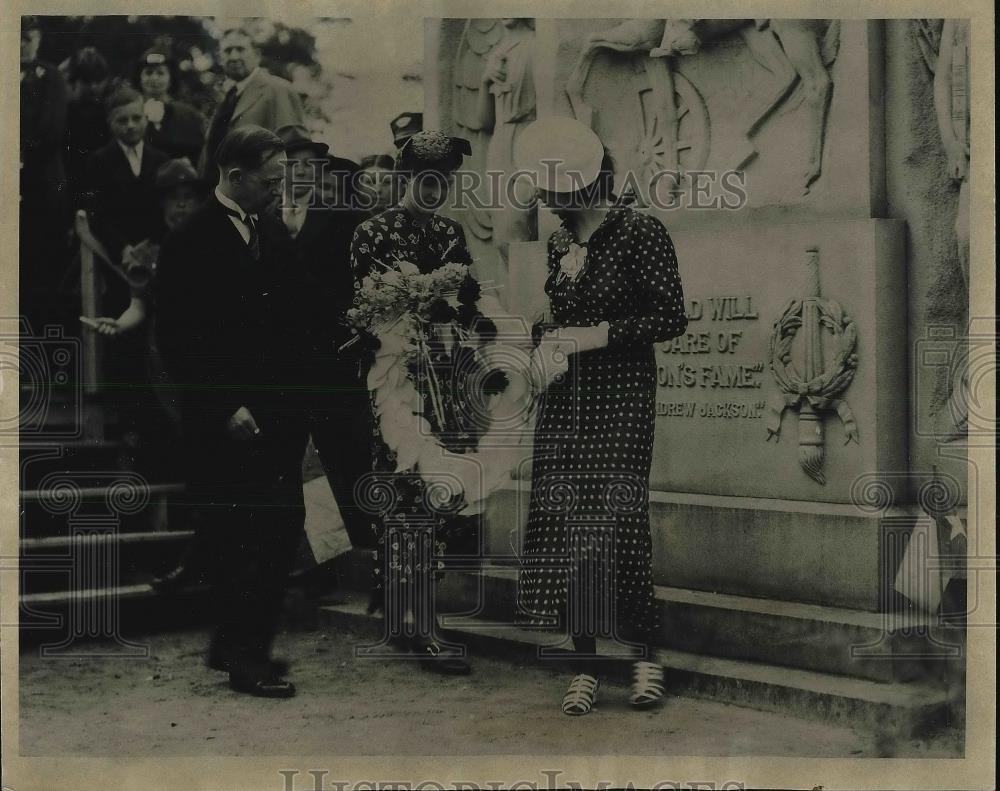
point(564, 154)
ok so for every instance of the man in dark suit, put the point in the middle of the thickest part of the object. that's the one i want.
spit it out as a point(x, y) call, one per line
point(229, 293)
point(322, 227)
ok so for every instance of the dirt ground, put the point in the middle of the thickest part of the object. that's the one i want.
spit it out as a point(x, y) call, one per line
point(170, 704)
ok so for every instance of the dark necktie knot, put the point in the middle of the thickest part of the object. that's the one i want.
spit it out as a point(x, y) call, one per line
point(253, 242)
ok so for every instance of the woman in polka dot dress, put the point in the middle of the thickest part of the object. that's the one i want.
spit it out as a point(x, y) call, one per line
point(614, 291)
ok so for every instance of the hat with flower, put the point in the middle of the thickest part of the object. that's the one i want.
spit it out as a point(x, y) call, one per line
point(432, 150)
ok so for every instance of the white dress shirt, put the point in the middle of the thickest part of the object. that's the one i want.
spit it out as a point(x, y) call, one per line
point(134, 156)
point(239, 222)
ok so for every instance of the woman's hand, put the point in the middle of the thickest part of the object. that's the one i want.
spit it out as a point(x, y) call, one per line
point(572, 340)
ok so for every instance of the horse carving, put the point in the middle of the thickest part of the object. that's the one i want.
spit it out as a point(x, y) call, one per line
point(797, 51)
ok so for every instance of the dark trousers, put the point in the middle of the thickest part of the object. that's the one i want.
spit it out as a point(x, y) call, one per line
point(341, 429)
point(253, 513)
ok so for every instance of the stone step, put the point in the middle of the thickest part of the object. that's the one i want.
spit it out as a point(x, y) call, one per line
point(56, 564)
point(109, 617)
point(906, 709)
point(853, 643)
point(805, 636)
point(838, 554)
point(39, 460)
point(105, 498)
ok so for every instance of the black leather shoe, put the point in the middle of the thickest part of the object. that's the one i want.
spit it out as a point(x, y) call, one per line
point(217, 660)
point(262, 686)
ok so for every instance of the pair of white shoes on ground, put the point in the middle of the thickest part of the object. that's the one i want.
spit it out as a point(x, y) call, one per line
point(647, 689)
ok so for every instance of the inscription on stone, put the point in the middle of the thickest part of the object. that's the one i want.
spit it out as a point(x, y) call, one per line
point(721, 370)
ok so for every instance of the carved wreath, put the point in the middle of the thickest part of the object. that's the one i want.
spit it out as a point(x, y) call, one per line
point(823, 391)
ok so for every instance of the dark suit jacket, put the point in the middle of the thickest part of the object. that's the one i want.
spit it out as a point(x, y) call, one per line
point(43, 125)
point(231, 330)
point(323, 247)
point(181, 132)
point(86, 132)
point(123, 209)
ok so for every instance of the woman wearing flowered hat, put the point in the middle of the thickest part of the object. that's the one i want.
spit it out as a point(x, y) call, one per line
point(614, 291)
point(413, 232)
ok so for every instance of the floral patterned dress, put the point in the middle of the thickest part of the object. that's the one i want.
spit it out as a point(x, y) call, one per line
point(414, 534)
point(587, 556)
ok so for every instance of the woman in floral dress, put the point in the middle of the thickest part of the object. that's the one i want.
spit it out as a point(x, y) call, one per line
point(414, 534)
point(614, 291)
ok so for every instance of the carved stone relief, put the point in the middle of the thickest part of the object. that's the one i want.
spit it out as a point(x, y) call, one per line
point(797, 53)
point(494, 101)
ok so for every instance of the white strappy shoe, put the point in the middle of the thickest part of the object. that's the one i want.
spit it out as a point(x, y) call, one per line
point(580, 697)
point(647, 685)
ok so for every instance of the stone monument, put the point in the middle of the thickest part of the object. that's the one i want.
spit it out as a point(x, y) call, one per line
point(789, 435)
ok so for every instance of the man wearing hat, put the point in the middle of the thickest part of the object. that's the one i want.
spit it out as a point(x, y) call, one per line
point(252, 95)
point(404, 126)
point(306, 161)
point(321, 223)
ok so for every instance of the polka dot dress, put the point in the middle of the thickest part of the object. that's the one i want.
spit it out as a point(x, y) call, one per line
point(587, 558)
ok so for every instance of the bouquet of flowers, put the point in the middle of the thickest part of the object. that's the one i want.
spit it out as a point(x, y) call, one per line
point(401, 293)
point(453, 401)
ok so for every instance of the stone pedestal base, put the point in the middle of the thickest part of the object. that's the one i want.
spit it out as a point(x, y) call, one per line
point(817, 553)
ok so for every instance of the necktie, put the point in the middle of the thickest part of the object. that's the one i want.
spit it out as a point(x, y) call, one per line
point(220, 123)
point(253, 243)
point(134, 161)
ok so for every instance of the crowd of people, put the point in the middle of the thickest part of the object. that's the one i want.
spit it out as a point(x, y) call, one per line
point(241, 267)
point(116, 163)
point(113, 162)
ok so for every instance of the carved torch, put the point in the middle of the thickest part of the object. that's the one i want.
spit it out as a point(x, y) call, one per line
point(811, 421)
